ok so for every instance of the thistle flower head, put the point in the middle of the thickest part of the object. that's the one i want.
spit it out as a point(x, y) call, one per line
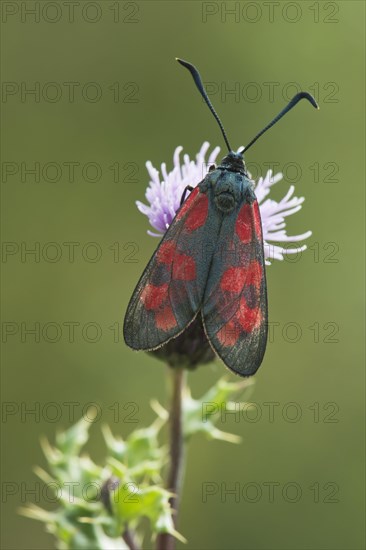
point(166, 188)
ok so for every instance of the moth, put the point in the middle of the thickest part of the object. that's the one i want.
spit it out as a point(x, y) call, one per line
point(210, 262)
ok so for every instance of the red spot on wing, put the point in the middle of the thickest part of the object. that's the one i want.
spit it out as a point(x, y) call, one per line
point(255, 273)
point(153, 296)
point(228, 334)
point(243, 225)
point(184, 268)
point(166, 252)
point(233, 279)
point(187, 203)
point(248, 318)
point(198, 214)
point(165, 319)
point(257, 220)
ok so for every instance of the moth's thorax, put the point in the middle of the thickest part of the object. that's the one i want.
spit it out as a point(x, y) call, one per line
point(230, 183)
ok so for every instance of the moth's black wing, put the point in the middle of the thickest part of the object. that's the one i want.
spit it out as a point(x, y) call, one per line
point(235, 312)
point(170, 292)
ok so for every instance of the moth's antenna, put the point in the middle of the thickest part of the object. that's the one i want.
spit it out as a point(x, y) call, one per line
point(292, 103)
point(198, 81)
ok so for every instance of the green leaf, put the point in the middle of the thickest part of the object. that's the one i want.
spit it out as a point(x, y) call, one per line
point(200, 415)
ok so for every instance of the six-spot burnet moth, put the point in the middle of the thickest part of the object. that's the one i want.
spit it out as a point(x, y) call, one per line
point(210, 262)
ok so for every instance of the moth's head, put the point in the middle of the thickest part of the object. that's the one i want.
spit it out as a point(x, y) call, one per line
point(233, 162)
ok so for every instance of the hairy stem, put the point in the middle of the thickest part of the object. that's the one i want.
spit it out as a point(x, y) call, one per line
point(129, 540)
point(165, 541)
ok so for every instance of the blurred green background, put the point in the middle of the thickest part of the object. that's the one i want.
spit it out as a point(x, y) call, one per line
point(132, 102)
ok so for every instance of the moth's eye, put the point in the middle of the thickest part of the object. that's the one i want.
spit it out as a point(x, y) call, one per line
point(212, 167)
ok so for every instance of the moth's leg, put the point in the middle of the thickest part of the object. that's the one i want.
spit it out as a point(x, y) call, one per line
point(188, 188)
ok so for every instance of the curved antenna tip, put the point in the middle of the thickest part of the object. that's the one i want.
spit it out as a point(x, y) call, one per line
point(289, 106)
point(186, 64)
point(309, 97)
point(199, 84)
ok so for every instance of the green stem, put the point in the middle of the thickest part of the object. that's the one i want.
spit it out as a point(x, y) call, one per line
point(165, 541)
